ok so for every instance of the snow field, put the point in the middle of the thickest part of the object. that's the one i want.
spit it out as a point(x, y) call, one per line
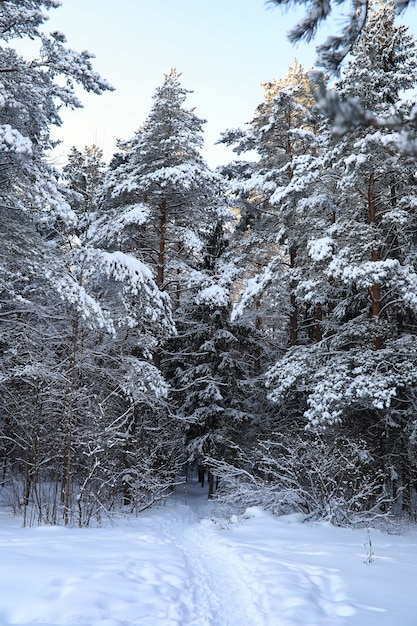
point(176, 566)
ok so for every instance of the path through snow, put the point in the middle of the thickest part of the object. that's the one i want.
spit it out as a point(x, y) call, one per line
point(176, 566)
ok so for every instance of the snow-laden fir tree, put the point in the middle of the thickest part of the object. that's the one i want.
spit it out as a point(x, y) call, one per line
point(212, 367)
point(31, 94)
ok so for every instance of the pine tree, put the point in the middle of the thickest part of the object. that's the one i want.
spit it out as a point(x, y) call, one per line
point(359, 264)
point(281, 131)
point(161, 192)
point(160, 199)
point(129, 416)
point(84, 175)
point(35, 214)
point(334, 50)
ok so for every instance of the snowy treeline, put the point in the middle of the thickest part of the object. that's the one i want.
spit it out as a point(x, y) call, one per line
point(257, 321)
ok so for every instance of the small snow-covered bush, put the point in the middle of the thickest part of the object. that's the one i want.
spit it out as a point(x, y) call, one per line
point(330, 479)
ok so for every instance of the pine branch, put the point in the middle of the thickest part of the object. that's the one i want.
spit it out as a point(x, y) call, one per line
point(335, 49)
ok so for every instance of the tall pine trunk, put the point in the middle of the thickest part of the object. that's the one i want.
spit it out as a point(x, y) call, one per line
point(375, 289)
point(293, 302)
point(162, 244)
point(70, 425)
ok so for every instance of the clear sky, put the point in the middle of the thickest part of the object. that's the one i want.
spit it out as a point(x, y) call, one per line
point(224, 49)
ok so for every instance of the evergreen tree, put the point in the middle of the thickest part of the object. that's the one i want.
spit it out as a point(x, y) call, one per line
point(359, 265)
point(282, 130)
point(160, 192)
point(335, 49)
point(84, 175)
point(348, 113)
point(160, 201)
point(211, 365)
point(47, 305)
point(129, 415)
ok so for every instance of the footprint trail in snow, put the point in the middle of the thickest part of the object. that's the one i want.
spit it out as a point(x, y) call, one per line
point(178, 565)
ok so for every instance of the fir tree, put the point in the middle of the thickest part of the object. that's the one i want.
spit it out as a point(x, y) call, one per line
point(211, 365)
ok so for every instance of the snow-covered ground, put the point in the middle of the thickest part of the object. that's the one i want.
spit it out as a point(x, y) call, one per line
point(178, 566)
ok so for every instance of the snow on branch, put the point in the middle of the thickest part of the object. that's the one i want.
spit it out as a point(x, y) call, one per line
point(13, 141)
point(365, 274)
point(320, 248)
point(338, 383)
point(75, 294)
point(138, 280)
point(214, 296)
point(76, 66)
point(186, 176)
point(140, 379)
point(348, 114)
point(131, 215)
point(334, 50)
point(122, 267)
point(254, 289)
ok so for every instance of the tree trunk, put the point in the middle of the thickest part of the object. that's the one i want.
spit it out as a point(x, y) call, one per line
point(293, 302)
point(70, 426)
point(210, 478)
point(257, 352)
point(162, 244)
point(319, 319)
point(201, 474)
point(375, 289)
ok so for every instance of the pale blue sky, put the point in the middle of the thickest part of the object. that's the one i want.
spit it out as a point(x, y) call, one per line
point(224, 49)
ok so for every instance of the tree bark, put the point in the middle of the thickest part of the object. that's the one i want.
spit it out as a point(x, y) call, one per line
point(211, 485)
point(319, 319)
point(162, 244)
point(293, 302)
point(375, 289)
point(70, 425)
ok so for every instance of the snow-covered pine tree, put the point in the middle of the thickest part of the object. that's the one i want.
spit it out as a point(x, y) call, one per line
point(160, 200)
point(337, 46)
point(161, 194)
point(34, 211)
point(128, 416)
point(29, 107)
point(83, 175)
point(282, 130)
point(348, 113)
point(361, 262)
point(279, 131)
